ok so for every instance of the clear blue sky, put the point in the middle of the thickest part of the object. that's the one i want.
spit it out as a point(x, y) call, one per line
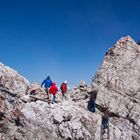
point(66, 39)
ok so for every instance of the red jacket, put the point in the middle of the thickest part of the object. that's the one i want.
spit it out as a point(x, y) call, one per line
point(53, 89)
point(63, 88)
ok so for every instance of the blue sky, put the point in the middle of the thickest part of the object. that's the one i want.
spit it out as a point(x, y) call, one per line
point(66, 39)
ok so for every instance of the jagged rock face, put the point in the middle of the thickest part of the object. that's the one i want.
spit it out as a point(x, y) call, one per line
point(12, 87)
point(118, 84)
point(63, 121)
point(11, 81)
point(26, 113)
point(80, 93)
point(35, 89)
point(24, 116)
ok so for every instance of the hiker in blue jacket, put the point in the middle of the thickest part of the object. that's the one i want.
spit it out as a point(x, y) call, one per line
point(47, 83)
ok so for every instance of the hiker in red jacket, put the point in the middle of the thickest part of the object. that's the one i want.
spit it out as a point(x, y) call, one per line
point(64, 89)
point(53, 90)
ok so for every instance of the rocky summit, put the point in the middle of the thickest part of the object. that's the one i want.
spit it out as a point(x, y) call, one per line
point(118, 84)
point(27, 114)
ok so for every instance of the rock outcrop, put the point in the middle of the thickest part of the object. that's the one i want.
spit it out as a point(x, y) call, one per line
point(118, 84)
point(12, 87)
point(26, 113)
point(12, 82)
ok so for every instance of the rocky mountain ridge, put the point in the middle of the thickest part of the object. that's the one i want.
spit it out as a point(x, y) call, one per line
point(27, 115)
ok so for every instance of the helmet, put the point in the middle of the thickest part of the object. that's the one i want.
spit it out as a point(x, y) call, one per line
point(65, 82)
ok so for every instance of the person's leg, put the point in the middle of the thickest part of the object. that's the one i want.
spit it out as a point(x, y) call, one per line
point(62, 96)
point(54, 98)
point(103, 123)
point(47, 92)
point(106, 123)
point(65, 96)
point(89, 106)
point(103, 126)
point(93, 106)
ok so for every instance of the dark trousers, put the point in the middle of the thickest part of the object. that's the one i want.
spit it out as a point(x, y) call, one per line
point(105, 122)
point(63, 96)
point(91, 106)
point(47, 92)
point(53, 98)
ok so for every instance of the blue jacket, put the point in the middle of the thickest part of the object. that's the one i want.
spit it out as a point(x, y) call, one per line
point(47, 82)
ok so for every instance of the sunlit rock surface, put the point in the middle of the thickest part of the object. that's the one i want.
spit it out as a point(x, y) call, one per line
point(118, 84)
point(26, 113)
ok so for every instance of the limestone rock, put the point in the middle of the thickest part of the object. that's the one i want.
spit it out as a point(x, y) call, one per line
point(65, 120)
point(35, 89)
point(22, 118)
point(25, 114)
point(80, 92)
point(11, 81)
point(118, 82)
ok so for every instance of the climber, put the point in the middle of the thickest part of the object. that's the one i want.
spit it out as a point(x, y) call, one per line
point(53, 90)
point(63, 88)
point(91, 102)
point(47, 83)
point(105, 119)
